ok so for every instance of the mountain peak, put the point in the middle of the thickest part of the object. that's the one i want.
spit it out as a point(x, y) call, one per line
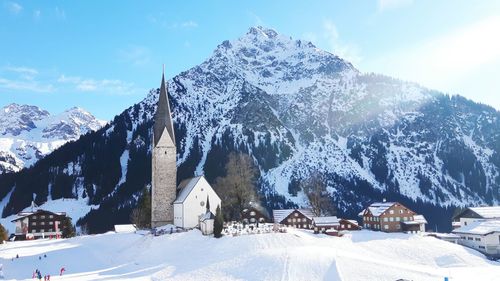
point(262, 31)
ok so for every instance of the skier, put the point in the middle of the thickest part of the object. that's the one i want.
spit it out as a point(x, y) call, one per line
point(39, 276)
point(62, 270)
point(48, 277)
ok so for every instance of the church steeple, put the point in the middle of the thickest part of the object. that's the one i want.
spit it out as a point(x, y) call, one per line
point(163, 116)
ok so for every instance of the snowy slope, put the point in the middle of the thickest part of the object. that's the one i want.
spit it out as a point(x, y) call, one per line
point(296, 255)
point(27, 133)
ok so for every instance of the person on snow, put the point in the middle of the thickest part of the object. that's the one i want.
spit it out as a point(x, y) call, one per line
point(48, 277)
point(62, 270)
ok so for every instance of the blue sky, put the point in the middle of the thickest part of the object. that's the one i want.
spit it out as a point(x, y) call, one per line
point(105, 55)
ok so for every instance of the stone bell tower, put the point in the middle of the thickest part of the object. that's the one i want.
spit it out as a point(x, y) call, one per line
point(164, 168)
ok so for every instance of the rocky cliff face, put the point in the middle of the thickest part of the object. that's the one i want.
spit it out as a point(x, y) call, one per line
point(296, 110)
point(27, 133)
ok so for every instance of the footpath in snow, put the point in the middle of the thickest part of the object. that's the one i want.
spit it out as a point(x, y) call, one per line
point(296, 255)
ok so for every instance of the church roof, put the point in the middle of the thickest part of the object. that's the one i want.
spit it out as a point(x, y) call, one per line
point(163, 116)
point(185, 187)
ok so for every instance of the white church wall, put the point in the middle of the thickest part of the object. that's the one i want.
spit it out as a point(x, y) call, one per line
point(194, 205)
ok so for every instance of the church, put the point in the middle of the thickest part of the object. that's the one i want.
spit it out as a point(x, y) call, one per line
point(194, 199)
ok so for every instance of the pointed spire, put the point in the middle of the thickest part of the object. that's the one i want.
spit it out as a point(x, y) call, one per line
point(163, 116)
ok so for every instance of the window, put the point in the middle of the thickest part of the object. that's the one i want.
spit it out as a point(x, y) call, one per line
point(398, 218)
point(478, 239)
point(42, 223)
point(386, 220)
point(294, 220)
point(398, 226)
point(50, 230)
point(252, 220)
point(465, 223)
point(289, 220)
point(42, 217)
point(391, 219)
point(34, 217)
point(33, 231)
point(51, 222)
point(296, 214)
point(304, 220)
point(252, 213)
point(391, 212)
point(405, 218)
point(400, 211)
point(386, 226)
point(43, 230)
point(51, 217)
point(481, 247)
point(33, 223)
point(348, 226)
point(469, 238)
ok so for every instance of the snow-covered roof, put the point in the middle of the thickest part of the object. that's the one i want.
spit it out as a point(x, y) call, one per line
point(207, 216)
point(417, 219)
point(22, 215)
point(280, 215)
point(378, 208)
point(353, 222)
point(185, 187)
point(323, 221)
point(480, 227)
point(487, 212)
point(125, 228)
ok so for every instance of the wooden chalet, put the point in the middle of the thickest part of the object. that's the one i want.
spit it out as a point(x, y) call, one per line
point(345, 224)
point(298, 218)
point(392, 217)
point(38, 224)
point(254, 213)
point(322, 224)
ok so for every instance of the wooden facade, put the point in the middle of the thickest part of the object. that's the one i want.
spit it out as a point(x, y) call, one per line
point(254, 215)
point(387, 217)
point(297, 219)
point(348, 225)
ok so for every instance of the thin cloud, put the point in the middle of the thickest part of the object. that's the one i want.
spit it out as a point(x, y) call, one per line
point(335, 45)
point(105, 86)
point(37, 14)
point(13, 7)
point(385, 5)
point(445, 62)
point(25, 85)
point(60, 13)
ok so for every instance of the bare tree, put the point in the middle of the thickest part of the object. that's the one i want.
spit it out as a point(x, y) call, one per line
point(238, 187)
point(319, 199)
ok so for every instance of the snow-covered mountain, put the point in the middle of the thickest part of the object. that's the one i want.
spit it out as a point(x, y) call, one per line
point(27, 133)
point(297, 110)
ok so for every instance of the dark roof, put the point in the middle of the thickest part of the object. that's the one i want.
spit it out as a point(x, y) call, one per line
point(163, 116)
point(22, 215)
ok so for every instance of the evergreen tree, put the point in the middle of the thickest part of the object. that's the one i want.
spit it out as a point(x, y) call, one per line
point(67, 227)
point(141, 216)
point(208, 204)
point(4, 234)
point(218, 223)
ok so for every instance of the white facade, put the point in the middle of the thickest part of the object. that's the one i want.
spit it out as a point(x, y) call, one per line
point(190, 204)
point(481, 235)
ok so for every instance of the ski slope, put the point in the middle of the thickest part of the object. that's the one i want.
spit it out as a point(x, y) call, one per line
point(296, 255)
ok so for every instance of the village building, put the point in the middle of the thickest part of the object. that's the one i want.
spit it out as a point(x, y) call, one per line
point(254, 213)
point(38, 224)
point(194, 194)
point(183, 206)
point(298, 218)
point(322, 224)
point(207, 223)
point(392, 217)
point(481, 235)
point(472, 214)
point(345, 224)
